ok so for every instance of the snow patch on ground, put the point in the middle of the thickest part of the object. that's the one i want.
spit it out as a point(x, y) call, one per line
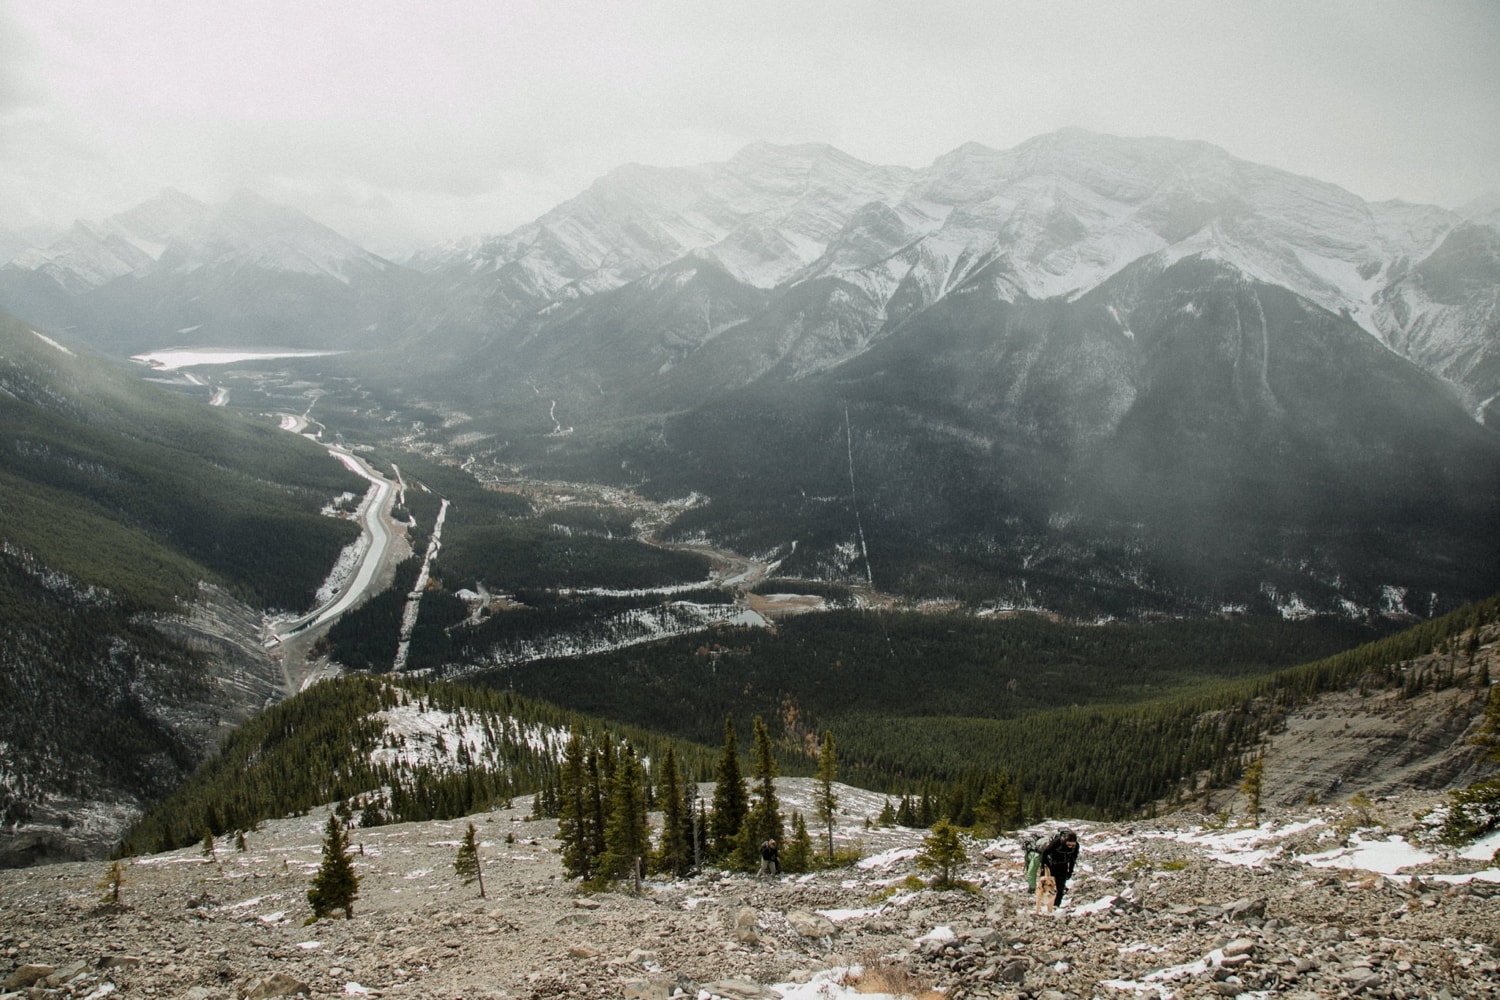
point(418, 736)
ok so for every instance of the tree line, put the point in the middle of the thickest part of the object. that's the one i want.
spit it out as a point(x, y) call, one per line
point(604, 792)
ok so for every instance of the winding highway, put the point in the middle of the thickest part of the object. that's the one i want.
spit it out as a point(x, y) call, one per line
point(375, 524)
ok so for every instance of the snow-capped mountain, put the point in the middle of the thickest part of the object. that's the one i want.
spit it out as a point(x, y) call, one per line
point(1057, 215)
point(1121, 361)
point(246, 271)
point(762, 215)
point(1140, 363)
point(176, 232)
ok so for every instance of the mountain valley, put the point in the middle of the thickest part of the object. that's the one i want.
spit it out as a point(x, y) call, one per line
point(1128, 421)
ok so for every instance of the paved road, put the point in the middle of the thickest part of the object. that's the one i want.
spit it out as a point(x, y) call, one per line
point(374, 520)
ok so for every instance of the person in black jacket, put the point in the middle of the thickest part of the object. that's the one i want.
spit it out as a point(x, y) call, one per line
point(1059, 855)
point(770, 859)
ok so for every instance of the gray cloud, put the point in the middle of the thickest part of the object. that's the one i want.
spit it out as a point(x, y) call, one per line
point(397, 122)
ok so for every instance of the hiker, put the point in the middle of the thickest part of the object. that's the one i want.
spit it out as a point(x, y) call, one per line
point(1058, 853)
point(770, 861)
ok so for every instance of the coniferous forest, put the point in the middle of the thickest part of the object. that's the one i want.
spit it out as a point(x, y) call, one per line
point(1108, 759)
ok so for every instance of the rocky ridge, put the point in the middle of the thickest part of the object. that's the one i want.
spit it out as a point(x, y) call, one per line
point(1325, 901)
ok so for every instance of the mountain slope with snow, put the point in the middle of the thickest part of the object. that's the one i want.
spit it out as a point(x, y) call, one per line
point(1058, 214)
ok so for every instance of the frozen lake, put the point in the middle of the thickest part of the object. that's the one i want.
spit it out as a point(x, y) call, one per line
point(173, 358)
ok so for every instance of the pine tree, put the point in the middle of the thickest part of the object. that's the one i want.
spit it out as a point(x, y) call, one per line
point(942, 851)
point(597, 779)
point(335, 886)
point(730, 796)
point(998, 805)
point(905, 814)
point(114, 879)
point(467, 865)
point(575, 811)
point(887, 815)
point(764, 821)
point(1488, 737)
point(824, 799)
point(627, 836)
point(208, 849)
point(672, 857)
point(1252, 785)
point(927, 807)
point(798, 856)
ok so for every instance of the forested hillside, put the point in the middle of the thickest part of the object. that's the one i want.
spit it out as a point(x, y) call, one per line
point(1098, 720)
point(120, 499)
point(128, 486)
point(386, 750)
point(406, 748)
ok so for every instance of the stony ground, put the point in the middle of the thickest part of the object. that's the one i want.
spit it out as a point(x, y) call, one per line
point(1169, 907)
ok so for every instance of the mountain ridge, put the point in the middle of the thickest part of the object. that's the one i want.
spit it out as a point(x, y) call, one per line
point(649, 324)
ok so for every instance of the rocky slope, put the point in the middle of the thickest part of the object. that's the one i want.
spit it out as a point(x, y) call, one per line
point(1318, 902)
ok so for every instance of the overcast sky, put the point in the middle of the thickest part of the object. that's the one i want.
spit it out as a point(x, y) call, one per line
point(421, 121)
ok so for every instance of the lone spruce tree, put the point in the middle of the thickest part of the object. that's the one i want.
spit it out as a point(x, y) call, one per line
point(113, 879)
point(626, 834)
point(467, 865)
point(1252, 785)
point(824, 799)
point(575, 811)
point(730, 796)
point(335, 886)
point(764, 821)
point(674, 854)
point(942, 852)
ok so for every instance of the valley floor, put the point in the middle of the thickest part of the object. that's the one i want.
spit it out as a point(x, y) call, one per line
point(1306, 904)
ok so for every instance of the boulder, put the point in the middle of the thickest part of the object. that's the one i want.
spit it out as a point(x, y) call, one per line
point(745, 926)
point(64, 974)
point(650, 988)
point(811, 925)
point(1246, 909)
point(279, 985)
point(27, 976)
point(120, 962)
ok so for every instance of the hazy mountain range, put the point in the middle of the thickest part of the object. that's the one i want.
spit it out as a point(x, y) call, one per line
point(1087, 372)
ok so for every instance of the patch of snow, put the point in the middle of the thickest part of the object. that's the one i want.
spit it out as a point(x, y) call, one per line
point(886, 859)
point(48, 340)
point(828, 984)
point(1097, 906)
point(1386, 857)
point(943, 933)
point(838, 916)
point(1482, 849)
